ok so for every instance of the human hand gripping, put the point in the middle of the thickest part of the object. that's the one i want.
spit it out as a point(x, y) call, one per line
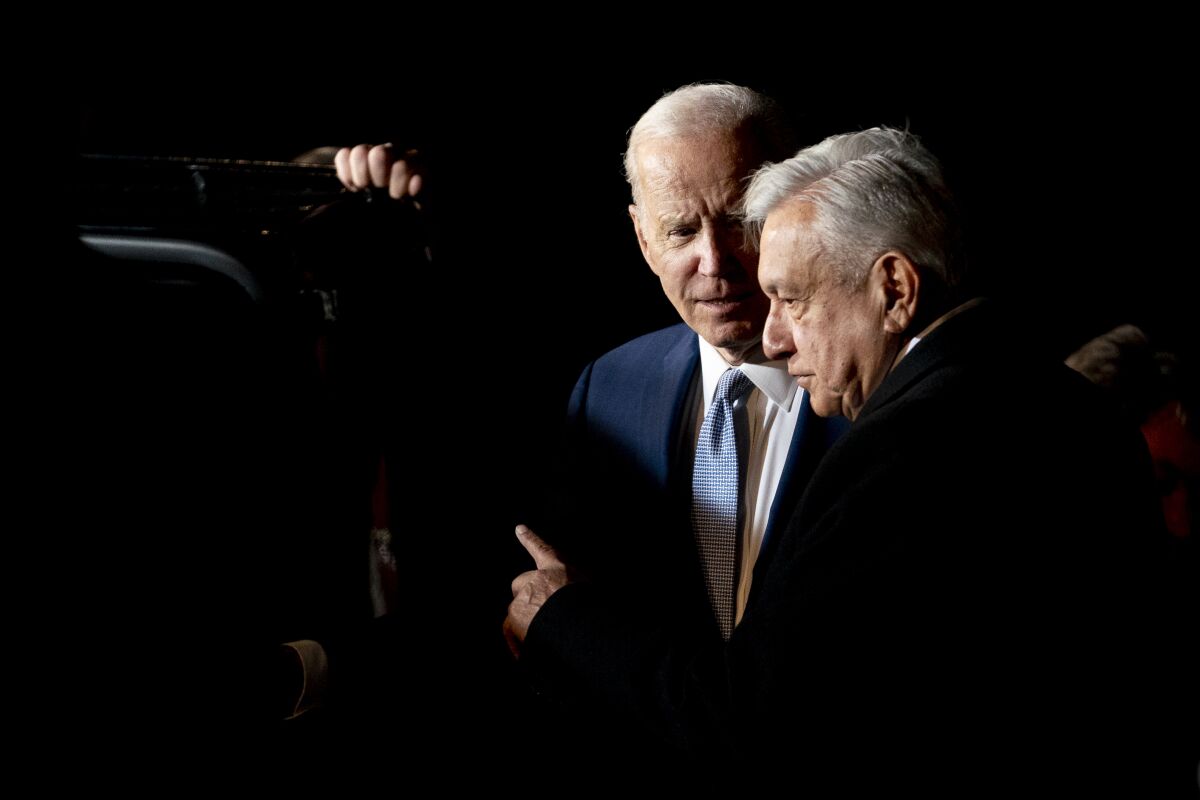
point(532, 589)
point(382, 167)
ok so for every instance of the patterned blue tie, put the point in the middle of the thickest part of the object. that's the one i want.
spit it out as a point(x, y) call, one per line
point(715, 497)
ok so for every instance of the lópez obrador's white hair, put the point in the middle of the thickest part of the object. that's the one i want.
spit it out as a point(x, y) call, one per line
point(872, 191)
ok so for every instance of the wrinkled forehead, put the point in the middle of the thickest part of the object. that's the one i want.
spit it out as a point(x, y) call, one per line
point(789, 250)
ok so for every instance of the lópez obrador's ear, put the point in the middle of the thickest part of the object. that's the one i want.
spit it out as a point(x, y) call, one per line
point(898, 282)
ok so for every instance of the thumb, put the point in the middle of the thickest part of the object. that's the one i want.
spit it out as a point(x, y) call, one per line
point(543, 554)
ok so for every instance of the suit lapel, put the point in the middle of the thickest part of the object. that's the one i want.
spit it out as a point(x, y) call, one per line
point(811, 438)
point(672, 435)
point(667, 424)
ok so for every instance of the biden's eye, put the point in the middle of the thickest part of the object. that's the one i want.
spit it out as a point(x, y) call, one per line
point(681, 231)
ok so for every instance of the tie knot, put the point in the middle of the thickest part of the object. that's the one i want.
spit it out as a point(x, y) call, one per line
point(733, 384)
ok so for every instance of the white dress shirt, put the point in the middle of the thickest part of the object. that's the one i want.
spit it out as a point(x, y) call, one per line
point(772, 408)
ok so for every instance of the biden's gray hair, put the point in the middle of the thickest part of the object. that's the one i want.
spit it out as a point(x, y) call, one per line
point(703, 108)
point(872, 191)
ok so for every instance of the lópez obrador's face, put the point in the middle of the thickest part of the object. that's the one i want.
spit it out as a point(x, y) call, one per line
point(690, 232)
point(833, 336)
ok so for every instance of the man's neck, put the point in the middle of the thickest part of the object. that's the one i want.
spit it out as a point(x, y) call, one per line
point(737, 356)
point(905, 343)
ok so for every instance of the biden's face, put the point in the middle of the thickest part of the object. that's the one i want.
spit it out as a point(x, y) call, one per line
point(690, 232)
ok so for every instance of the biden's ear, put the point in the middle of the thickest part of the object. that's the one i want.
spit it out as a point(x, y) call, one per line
point(641, 235)
point(899, 283)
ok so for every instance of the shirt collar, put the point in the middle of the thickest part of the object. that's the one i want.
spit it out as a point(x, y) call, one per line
point(769, 377)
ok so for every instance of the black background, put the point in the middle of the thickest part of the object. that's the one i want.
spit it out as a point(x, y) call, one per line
point(1074, 176)
point(1075, 179)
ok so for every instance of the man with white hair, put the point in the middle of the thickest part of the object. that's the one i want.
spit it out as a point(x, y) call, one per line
point(948, 605)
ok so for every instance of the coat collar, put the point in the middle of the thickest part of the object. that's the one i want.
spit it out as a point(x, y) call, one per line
point(965, 330)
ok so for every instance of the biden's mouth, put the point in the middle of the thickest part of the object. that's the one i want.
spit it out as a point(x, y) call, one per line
point(726, 302)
